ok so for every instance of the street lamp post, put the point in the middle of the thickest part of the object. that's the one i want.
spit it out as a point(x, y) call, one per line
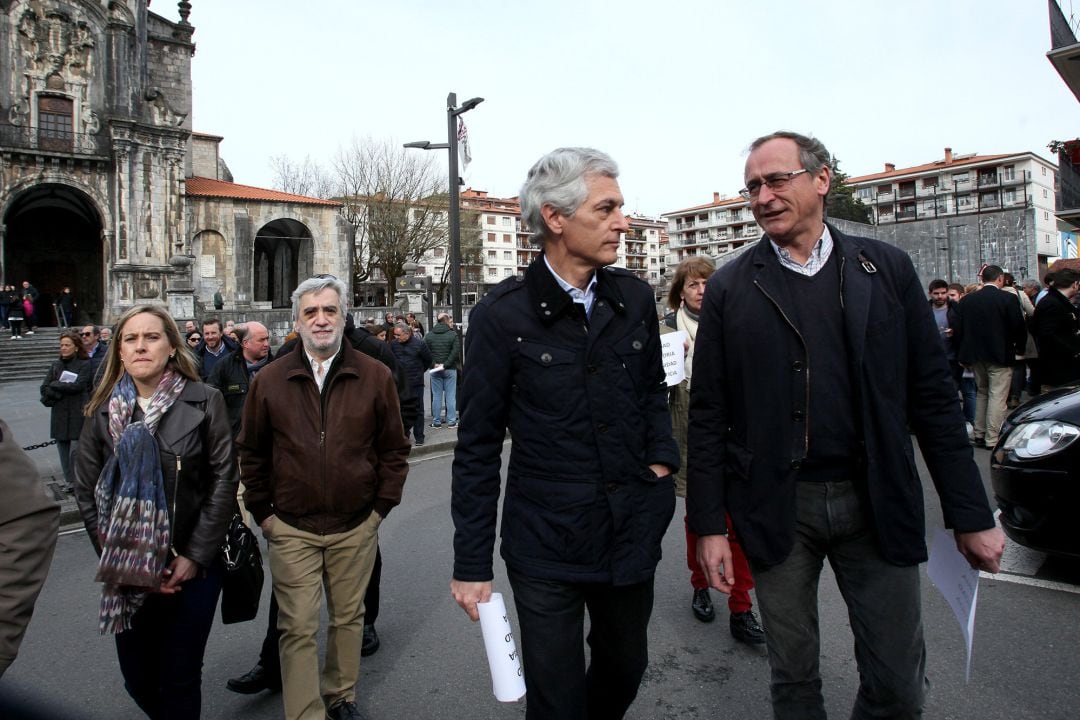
point(452, 113)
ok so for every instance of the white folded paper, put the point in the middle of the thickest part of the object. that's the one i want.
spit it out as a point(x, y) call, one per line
point(507, 679)
point(68, 377)
point(673, 356)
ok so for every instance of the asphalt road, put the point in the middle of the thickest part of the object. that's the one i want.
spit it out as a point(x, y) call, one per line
point(432, 664)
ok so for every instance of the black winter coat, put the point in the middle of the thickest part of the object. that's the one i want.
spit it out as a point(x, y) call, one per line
point(197, 462)
point(585, 403)
point(414, 357)
point(748, 404)
point(1055, 327)
point(66, 399)
point(990, 327)
point(231, 377)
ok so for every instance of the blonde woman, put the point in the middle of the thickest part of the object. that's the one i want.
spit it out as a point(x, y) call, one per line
point(156, 486)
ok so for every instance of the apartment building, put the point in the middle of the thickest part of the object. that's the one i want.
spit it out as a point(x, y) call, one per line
point(713, 229)
point(957, 186)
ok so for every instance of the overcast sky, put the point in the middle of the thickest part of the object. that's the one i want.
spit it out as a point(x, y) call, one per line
point(674, 90)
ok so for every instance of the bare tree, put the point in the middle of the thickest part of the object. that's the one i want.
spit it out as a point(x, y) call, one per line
point(397, 202)
point(472, 250)
point(302, 178)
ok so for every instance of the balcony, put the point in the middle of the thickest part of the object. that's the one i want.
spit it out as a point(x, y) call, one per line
point(988, 180)
point(57, 143)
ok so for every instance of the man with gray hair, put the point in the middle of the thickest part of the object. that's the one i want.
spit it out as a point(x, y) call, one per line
point(816, 351)
point(567, 358)
point(324, 456)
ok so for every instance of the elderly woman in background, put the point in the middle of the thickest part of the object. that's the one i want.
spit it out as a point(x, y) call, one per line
point(156, 486)
point(65, 389)
point(684, 299)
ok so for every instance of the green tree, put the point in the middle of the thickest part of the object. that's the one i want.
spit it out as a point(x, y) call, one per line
point(841, 202)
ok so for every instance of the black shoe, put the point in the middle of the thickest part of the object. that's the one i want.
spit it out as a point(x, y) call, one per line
point(418, 443)
point(745, 628)
point(371, 641)
point(978, 443)
point(254, 680)
point(702, 606)
point(344, 711)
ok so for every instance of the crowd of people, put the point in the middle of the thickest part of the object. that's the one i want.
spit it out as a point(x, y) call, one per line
point(809, 361)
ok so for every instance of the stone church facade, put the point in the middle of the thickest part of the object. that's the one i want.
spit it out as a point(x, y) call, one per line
point(104, 187)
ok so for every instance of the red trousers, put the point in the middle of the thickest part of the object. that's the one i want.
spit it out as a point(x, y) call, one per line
point(739, 600)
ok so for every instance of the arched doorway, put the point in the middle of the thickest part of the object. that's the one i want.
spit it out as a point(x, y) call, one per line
point(52, 238)
point(284, 255)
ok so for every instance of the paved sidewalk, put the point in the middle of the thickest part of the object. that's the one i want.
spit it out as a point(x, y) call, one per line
point(21, 408)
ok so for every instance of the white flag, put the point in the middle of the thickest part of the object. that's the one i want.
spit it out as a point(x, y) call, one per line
point(463, 144)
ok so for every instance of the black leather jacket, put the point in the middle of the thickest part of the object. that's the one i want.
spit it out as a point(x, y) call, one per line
point(197, 463)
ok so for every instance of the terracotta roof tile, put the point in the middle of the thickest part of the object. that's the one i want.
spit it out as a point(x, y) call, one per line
point(737, 200)
point(208, 187)
point(937, 165)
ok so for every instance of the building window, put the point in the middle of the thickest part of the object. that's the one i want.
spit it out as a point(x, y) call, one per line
point(960, 178)
point(884, 189)
point(506, 237)
point(491, 237)
point(1046, 215)
point(507, 272)
point(963, 201)
point(1044, 189)
point(505, 220)
point(506, 255)
point(492, 272)
point(491, 254)
point(55, 125)
point(1008, 172)
point(1010, 195)
point(930, 182)
point(490, 219)
point(1043, 168)
point(439, 252)
point(864, 193)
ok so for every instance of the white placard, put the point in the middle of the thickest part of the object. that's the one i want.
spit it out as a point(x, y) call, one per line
point(507, 679)
point(207, 266)
point(673, 356)
point(68, 377)
point(958, 583)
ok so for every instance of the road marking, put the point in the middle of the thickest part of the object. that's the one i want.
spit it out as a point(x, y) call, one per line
point(1031, 581)
point(71, 532)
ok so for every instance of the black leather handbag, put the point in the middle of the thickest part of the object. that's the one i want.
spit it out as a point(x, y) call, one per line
point(243, 583)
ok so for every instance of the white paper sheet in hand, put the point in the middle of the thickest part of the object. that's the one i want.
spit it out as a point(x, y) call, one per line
point(673, 356)
point(68, 377)
point(958, 583)
point(507, 680)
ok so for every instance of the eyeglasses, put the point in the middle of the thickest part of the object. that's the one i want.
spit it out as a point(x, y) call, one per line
point(86, 334)
point(776, 181)
point(194, 339)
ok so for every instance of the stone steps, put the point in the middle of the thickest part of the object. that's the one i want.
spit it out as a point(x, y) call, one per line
point(30, 357)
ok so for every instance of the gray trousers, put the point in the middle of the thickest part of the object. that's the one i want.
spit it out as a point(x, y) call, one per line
point(884, 608)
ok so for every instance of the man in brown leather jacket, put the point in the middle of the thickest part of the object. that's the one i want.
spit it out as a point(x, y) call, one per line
point(323, 455)
point(28, 524)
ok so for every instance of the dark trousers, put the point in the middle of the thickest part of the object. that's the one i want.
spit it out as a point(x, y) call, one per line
point(418, 426)
point(551, 616)
point(270, 657)
point(884, 609)
point(161, 656)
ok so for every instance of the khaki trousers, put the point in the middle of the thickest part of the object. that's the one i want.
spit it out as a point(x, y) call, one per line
point(303, 565)
point(992, 383)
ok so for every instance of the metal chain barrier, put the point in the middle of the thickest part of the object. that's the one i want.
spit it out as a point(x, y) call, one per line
point(39, 445)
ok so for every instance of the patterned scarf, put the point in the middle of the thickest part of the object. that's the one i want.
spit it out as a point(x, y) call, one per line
point(133, 526)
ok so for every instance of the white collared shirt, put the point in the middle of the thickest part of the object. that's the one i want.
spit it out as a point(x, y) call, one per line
point(324, 365)
point(581, 297)
point(818, 256)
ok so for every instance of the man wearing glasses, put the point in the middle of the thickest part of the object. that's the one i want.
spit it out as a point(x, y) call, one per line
point(807, 445)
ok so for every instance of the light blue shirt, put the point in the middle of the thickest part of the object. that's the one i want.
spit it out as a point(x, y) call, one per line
point(818, 256)
point(581, 297)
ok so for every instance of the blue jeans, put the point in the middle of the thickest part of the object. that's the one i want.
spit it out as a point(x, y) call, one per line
point(967, 392)
point(884, 608)
point(551, 615)
point(161, 656)
point(444, 382)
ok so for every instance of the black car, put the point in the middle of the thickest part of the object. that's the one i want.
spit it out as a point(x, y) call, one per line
point(1035, 471)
